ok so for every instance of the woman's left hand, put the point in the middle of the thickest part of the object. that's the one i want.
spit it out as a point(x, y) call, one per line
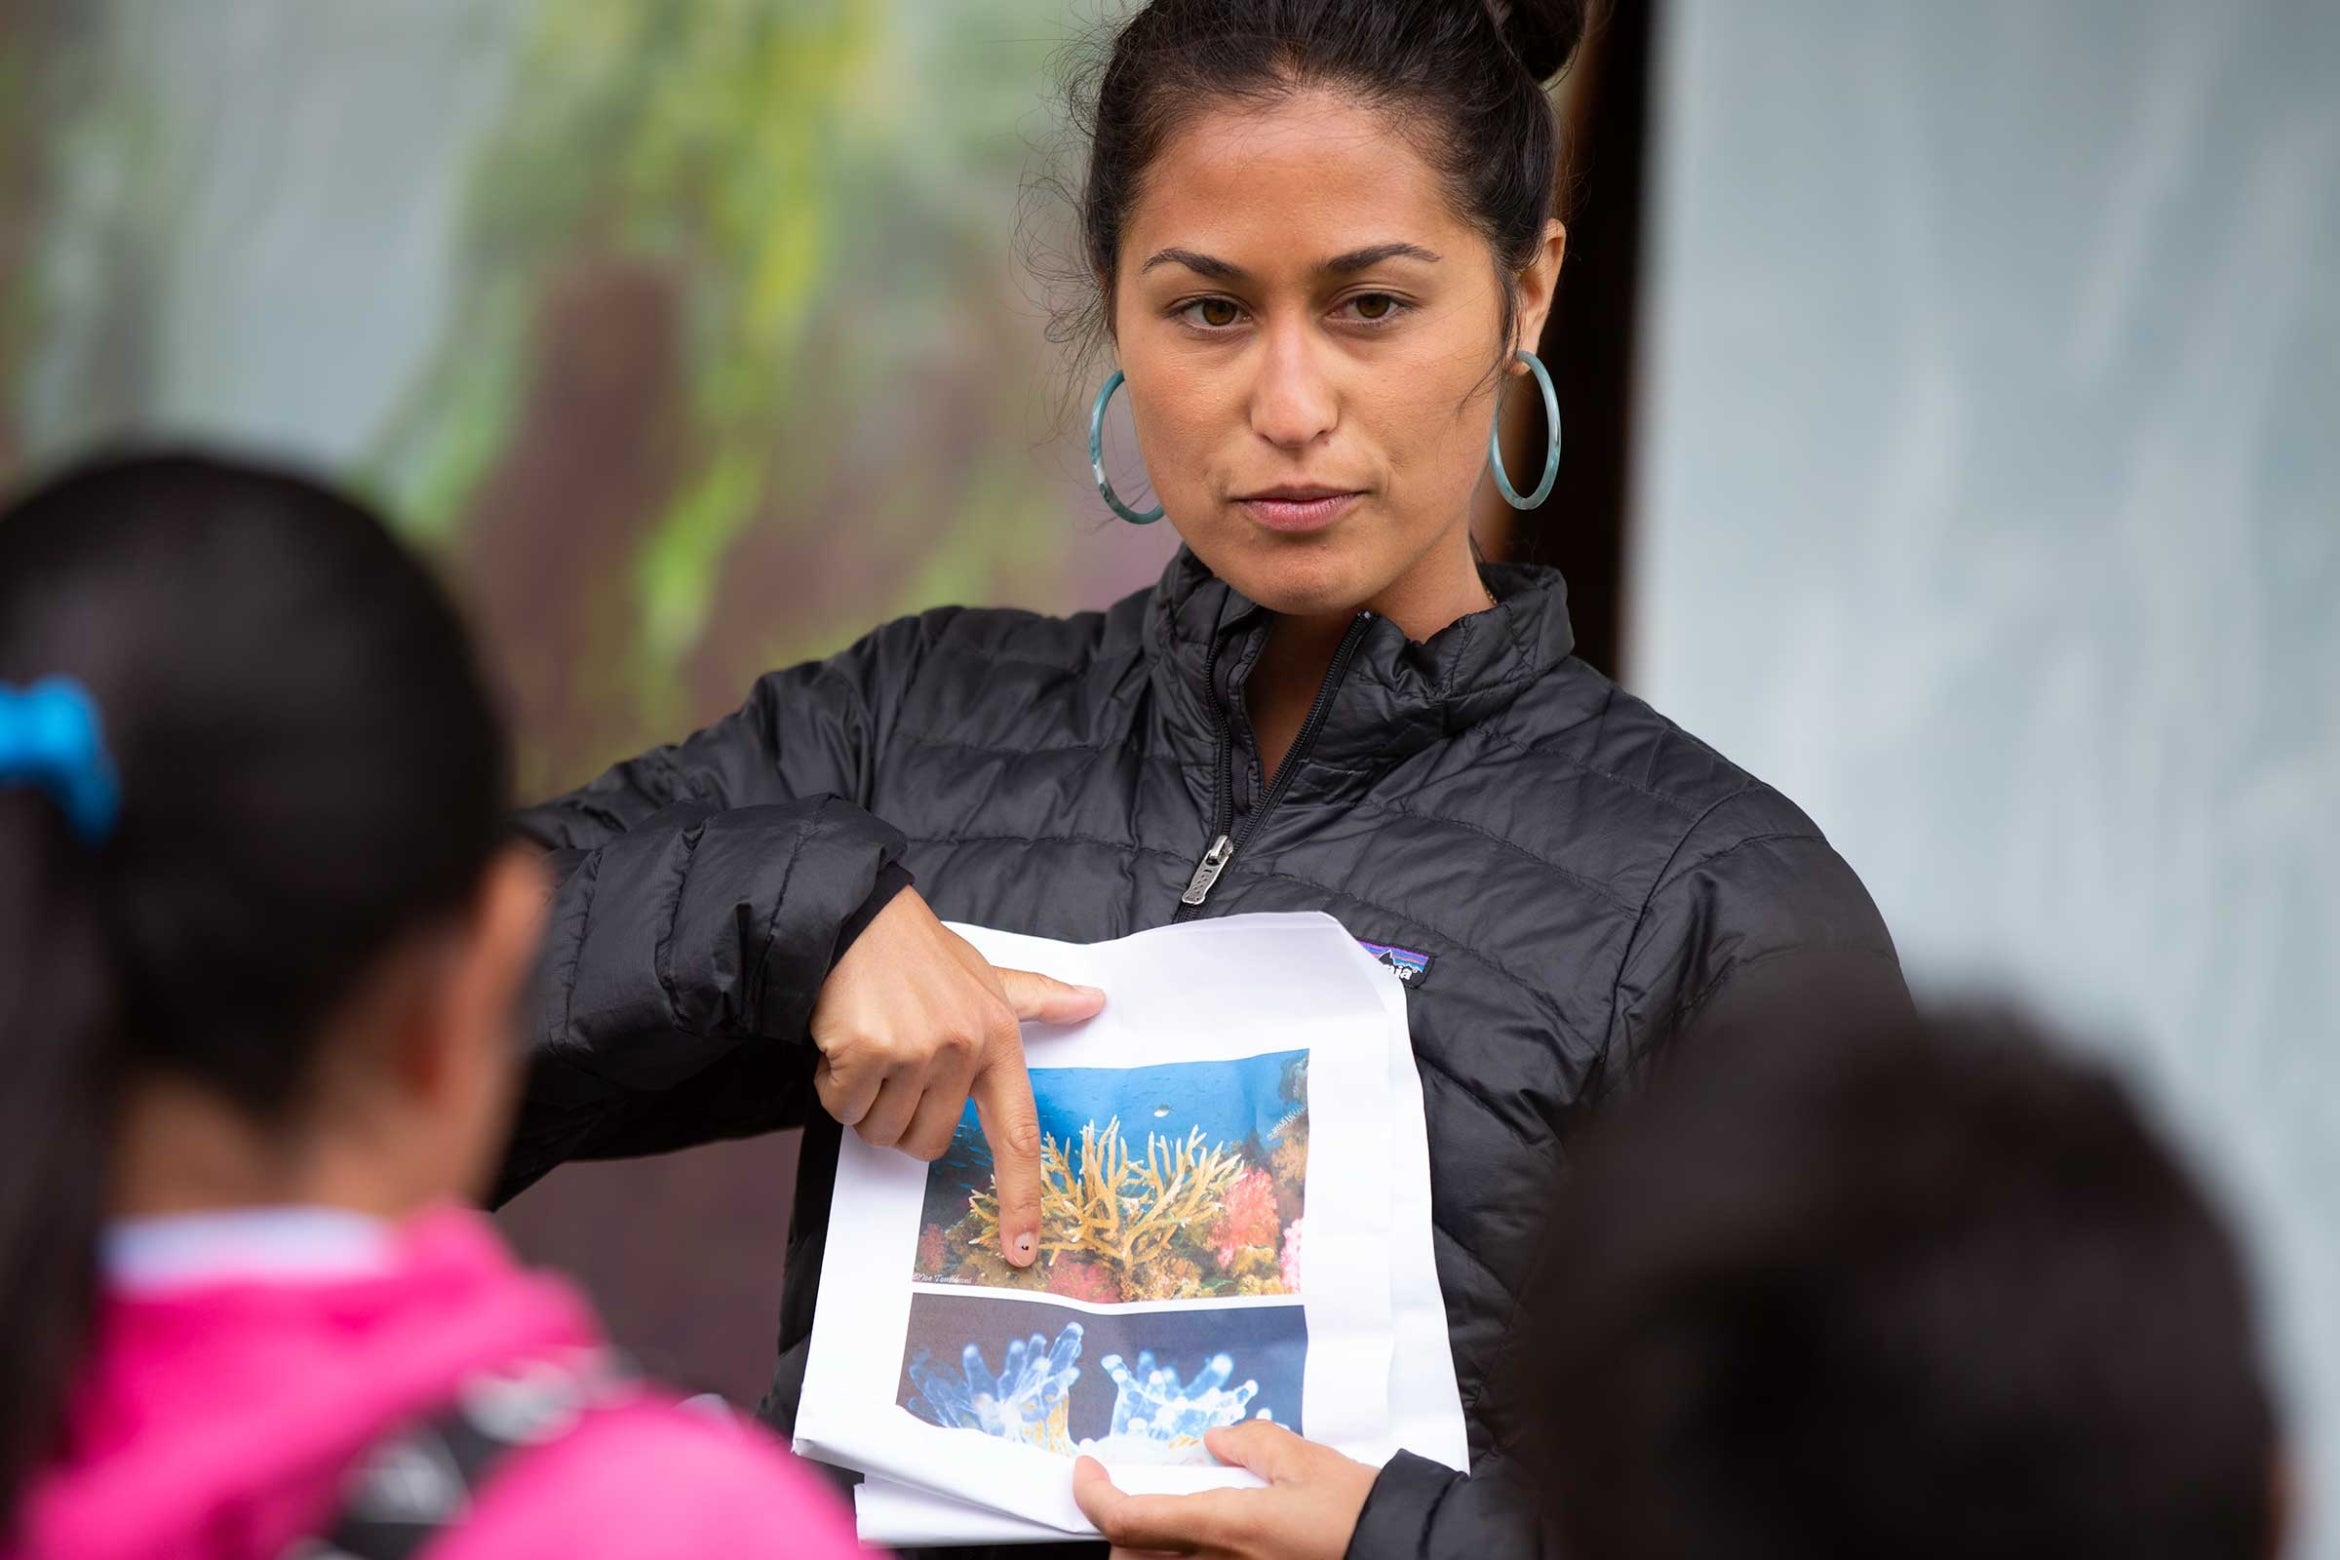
point(1308, 1511)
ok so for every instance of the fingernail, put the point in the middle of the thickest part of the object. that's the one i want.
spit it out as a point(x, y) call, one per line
point(1091, 991)
point(1023, 1248)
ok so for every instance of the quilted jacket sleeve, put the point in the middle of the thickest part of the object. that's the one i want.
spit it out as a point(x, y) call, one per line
point(1420, 1508)
point(1754, 904)
point(701, 894)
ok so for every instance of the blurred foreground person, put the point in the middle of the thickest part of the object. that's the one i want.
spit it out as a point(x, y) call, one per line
point(1892, 1287)
point(259, 954)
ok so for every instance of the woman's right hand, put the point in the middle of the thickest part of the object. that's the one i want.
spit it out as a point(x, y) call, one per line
point(913, 1021)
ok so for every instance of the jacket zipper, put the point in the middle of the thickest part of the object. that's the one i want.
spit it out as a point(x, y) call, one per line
point(1224, 847)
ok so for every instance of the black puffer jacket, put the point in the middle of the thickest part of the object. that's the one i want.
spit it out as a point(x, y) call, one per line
point(1577, 874)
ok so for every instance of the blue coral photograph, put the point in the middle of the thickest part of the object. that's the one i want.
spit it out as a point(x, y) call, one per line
point(1179, 1182)
point(1124, 1386)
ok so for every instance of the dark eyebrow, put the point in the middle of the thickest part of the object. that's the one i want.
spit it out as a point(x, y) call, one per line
point(1339, 265)
point(1364, 259)
point(1202, 265)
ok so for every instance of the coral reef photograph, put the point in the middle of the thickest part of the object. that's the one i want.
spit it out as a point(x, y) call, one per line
point(1128, 1387)
point(1179, 1182)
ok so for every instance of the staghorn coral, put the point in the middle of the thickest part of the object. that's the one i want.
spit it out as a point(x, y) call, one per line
point(1108, 1207)
point(1181, 1185)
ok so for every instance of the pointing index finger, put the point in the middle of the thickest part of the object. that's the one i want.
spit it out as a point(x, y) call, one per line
point(1011, 1125)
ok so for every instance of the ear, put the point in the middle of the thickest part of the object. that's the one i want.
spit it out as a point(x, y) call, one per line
point(469, 1047)
point(1538, 284)
point(507, 933)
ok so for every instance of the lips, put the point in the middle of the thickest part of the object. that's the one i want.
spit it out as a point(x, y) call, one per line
point(1298, 509)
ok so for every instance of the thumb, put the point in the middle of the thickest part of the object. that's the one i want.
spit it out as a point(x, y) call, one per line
point(1261, 1446)
point(1003, 1103)
point(1091, 1483)
point(1094, 1492)
point(1038, 999)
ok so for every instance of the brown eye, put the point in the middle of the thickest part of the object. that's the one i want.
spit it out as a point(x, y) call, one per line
point(1374, 306)
point(1217, 313)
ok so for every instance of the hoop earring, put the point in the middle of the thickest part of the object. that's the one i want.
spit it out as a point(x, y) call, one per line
point(1551, 459)
point(1097, 458)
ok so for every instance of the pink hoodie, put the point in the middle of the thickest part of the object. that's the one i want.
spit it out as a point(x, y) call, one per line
point(215, 1421)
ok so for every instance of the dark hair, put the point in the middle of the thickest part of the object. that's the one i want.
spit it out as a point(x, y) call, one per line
point(1887, 1286)
point(308, 769)
point(1470, 83)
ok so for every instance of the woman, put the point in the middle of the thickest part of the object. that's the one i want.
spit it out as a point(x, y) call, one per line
point(260, 941)
point(1322, 232)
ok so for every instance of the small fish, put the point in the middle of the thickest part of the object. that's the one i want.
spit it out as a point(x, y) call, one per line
point(1160, 1111)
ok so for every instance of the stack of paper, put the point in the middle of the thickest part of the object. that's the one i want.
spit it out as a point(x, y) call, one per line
point(1236, 1225)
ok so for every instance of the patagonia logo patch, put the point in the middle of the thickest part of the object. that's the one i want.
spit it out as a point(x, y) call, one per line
point(1407, 965)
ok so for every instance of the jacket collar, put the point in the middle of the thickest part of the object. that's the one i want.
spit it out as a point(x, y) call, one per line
point(1397, 696)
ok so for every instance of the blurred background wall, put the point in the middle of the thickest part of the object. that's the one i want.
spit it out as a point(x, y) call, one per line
point(1990, 506)
point(694, 338)
point(1950, 398)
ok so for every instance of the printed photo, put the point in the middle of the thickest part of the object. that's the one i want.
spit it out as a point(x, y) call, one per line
point(1124, 1386)
point(1180, 1182)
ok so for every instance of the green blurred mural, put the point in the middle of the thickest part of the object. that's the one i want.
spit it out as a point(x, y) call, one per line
point(696, 338)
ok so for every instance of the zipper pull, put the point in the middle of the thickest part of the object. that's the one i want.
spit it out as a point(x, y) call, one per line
point(1206, 871)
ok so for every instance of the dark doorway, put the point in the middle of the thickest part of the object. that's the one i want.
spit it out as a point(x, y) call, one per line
point(1589, 341)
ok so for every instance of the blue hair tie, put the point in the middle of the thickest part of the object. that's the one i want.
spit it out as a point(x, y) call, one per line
point(50, 737)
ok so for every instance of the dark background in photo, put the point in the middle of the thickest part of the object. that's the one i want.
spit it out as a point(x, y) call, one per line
point(1268, 1343)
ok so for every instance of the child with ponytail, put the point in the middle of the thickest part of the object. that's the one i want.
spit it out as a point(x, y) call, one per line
point(260, 949)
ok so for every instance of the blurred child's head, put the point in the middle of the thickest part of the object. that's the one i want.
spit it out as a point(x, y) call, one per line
point(284, 968)
point(1892, 1287)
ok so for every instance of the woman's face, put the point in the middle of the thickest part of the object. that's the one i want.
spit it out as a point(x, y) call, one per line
point(1308, 327)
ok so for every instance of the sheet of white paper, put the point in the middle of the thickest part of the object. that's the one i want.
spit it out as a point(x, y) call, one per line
point(1425, 1402)
point(1210, 1002)
point(900, 1516)
point(1215, 981)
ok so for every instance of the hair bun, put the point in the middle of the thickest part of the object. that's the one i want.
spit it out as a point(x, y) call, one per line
point(1543, 33)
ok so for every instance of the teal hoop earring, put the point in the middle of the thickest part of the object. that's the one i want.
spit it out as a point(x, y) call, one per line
point(1551, 459)
point(1097, 458)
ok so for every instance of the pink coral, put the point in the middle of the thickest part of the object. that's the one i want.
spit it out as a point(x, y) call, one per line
point(1248, 1218)
point(1291, 1261)
point(1083, 1278)
point(931, 1258)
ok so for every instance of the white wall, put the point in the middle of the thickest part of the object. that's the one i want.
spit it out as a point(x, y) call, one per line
point(1990, 506)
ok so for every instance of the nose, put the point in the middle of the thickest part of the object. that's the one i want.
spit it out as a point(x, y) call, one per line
point(1293, 402)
